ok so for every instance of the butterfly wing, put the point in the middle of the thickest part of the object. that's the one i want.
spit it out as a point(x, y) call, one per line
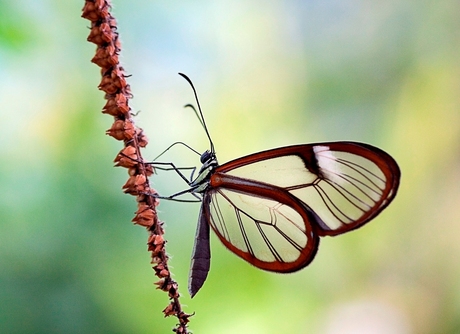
point(343, 185)
point(262, 224)
point(270, 207)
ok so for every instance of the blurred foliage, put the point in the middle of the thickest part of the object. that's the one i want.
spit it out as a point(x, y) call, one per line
point(17, 28)
point(268, 74)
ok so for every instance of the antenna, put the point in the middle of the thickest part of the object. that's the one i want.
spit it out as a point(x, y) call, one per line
point(200, 117)
point(188, 105)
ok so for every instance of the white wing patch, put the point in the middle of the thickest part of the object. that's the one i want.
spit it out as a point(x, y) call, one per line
point(327, 162)
point(264, 228)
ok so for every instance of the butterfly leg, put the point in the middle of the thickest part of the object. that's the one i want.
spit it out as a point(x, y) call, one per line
point(157, 165)
point(180, 193)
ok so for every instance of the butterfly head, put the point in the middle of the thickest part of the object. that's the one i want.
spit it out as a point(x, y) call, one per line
point(208, 159)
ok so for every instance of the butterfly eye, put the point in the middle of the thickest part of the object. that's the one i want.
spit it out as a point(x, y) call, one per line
point(205, 157)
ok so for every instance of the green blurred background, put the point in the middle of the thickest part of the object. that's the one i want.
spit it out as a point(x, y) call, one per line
point(268, 74)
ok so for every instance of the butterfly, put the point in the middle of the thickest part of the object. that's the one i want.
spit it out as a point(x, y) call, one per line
point(270, 208)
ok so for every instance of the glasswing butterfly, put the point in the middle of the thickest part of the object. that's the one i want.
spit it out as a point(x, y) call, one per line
point(271, 207)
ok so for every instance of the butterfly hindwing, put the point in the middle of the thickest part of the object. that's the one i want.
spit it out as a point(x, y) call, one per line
point(264, 225)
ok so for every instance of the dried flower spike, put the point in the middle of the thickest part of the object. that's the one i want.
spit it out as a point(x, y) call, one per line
point(103, 33)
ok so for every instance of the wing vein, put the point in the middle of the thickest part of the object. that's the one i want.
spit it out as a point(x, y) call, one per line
point(222, 226)
point(322, 192)
point(243, 231)
point(267, 242)
point(336, 185)
point(353, 166)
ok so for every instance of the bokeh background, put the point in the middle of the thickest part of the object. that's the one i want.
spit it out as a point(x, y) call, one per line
point(268, 74)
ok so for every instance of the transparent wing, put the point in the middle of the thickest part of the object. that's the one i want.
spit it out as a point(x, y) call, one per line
point(342, 185)
point(271, 233)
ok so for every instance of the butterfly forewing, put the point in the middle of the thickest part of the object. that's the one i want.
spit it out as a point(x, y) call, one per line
point(342, 184)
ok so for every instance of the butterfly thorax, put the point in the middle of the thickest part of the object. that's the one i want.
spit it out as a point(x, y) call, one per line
point(209, 161)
